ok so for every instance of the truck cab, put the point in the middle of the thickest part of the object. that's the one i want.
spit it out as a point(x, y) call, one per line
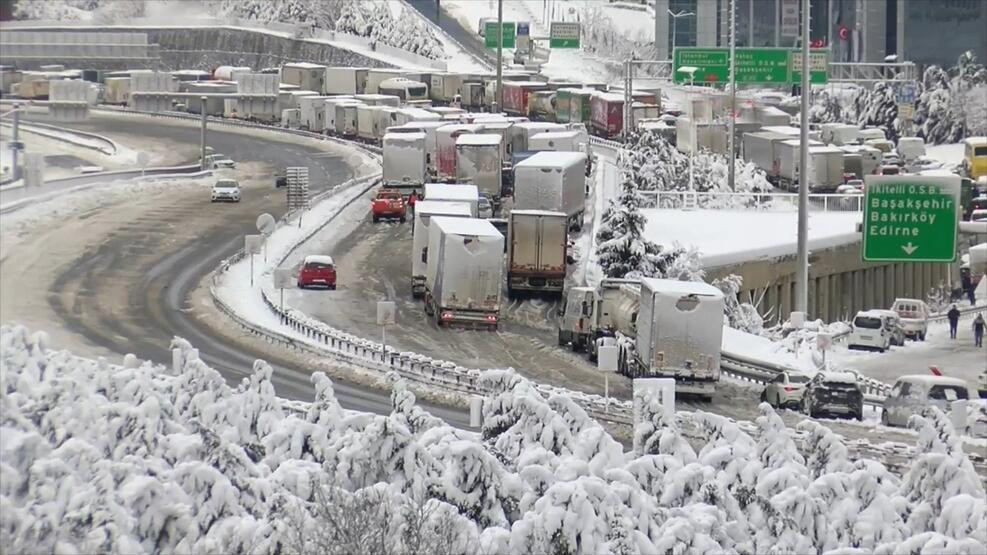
point(390, 204)
point(591, 314)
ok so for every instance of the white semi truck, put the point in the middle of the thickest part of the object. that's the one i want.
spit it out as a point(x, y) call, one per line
point(537, 248)
point(478, 161)
point(424, 210)
point(404, 160)
point(679, 335)
point(464, 272)
point(553, 181)
point(593, 313)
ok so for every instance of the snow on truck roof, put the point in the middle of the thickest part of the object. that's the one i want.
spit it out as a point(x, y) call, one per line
point(478, 139)
point(549, 135)
point(552, 158)
point(442, 208)
point(538, 213)
point(304, 65)
point(451, 192)
point(466, 226)
point(404, 137)
point(677, 287)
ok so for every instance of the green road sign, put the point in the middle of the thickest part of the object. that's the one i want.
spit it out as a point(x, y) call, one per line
point(910, 218)
point(818, 66)
point(490, 34)
point(754, 65)
point(564, 34)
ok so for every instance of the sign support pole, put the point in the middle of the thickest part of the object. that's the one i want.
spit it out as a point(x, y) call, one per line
point(202, 132)
point(383, 344)
point(802, 269)
point(731, 159)
point(251, 269)
point(500, 56)
point(14, 143)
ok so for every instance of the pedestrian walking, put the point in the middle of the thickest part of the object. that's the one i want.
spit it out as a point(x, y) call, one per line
point(978, 330)
point(966, 283)
point(954, 319)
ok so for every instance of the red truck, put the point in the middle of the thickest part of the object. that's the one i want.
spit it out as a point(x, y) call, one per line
point(389, 204)
point(517, 95)
point(607, 114)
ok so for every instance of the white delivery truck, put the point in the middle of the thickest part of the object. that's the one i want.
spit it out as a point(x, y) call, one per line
point(591, 315)
point(537, 247)
point(553, 181)
point(445, 86)
point(910, 148)
point(428, 128)
point(762, 149)
point(379, 99)
point(376, 76)
point(424, 210)
point(679, 335)
point(404, 161)
point(312, 112)
point(861, 160)
point(788, 168)
point(329, 111)
point(839, 134)
point(478, 162)
point(366, 122)
point(445, 148)
point(310, 77)
point(464, 272)
point(345, 118)
point(521, 132)
point(464, 193)
point(345, 80)
point(559, 141)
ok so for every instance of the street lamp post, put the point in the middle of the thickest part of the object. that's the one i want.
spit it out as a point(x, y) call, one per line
point(675, 20)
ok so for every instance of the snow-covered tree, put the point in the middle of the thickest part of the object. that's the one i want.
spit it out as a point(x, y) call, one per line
point(741, 316)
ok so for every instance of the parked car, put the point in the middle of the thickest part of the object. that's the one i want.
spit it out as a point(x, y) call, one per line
point(979, 215)
point(484, 208)
point(893, 322)
point(219, 162)
point(317, 270)
point(912, 393)
point(869, 331)
point(389, 204)
point(914, 316)
point(786, 389)
point(226, 190)
point(280, 181)
point(851, 198)
point(833, 393)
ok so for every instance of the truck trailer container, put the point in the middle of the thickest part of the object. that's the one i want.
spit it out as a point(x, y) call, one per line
point(309, 77)
point(454, 192)
point(345, 80)
point(517, 95)
point(606, 114)
point(553, 181)
point(825, 171)
point(861, 160)
point(424, 210)
point(521, 132)
point(345, 116)
point(445, 148)
point(679, 334)
point(464, 272)
point(478, 161)
point(537, 247)
point(763, 150)
point(595, 315)
point(313, 112)
point(404, 161)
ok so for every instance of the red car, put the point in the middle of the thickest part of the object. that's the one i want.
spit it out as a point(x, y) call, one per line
point(317, 270)
point(389, 204)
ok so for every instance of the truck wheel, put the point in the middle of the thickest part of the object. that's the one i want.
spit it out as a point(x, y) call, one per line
point(561, 339)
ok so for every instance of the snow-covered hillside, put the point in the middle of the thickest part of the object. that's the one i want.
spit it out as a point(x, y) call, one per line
point(135, 458)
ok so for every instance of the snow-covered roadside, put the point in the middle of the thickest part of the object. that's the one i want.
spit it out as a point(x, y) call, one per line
point(949, 154)
point(47, 146)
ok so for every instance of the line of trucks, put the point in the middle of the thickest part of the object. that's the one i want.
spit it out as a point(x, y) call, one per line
point(527, 94)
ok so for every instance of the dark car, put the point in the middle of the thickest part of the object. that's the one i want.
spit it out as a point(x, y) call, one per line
point(833, 394)
point(280, 181)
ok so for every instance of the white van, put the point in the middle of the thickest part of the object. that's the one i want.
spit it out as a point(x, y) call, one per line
point(914, 316)
point(870, 330)
point(911, 394)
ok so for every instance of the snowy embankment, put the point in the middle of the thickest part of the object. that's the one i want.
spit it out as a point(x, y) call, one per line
point(728, 237)
point(98, 457)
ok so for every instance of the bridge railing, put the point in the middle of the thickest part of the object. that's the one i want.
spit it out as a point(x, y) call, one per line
point(768, 202)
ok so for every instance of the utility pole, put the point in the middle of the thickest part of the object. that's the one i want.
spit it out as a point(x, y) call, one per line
point(802, 271)
point(500, 56)
point(15, 144)
point(731, 158)
point(202, 133)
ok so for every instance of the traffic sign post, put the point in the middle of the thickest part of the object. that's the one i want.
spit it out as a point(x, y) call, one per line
point(508, 30)
point(754, 65)
point(386, 312)
point(564, 34)
point(910, 218)
point(283, 278)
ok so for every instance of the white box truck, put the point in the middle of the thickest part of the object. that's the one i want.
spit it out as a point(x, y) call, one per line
point(454, 193)
point(345, 80)
point(537, 247)
point(366, 119)
point(679, 335)
point(310, 77)
point(345, 118)
point(559, 141)
point(312, 110)
point(553, 181)
point(521, 132)
point(861, 160)
point(478, 161)
point(404, 161)
point(424, 210)
point(464, 272)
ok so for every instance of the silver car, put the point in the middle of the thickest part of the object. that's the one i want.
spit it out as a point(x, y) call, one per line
point(911, 394)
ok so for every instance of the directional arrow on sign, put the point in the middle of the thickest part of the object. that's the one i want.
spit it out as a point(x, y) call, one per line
point(909, 248)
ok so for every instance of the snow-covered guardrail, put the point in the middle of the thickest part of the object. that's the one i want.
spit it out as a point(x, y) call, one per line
point(605, 143)
point(105, 145)
point(778, 202)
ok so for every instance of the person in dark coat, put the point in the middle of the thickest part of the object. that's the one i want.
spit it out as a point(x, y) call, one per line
point(954, 318)
point(978, 330)
point(966, 283)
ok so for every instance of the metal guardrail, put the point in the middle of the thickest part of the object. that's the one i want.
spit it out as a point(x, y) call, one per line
point(771, 202)
point(109, 147)
point(868, 72)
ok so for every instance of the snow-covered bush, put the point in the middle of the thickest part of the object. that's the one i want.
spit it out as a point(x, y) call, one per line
point(373, 20)
point(739, 315)
point(100, 458)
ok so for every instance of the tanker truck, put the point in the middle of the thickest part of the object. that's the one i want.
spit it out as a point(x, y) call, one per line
point(590, 314)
